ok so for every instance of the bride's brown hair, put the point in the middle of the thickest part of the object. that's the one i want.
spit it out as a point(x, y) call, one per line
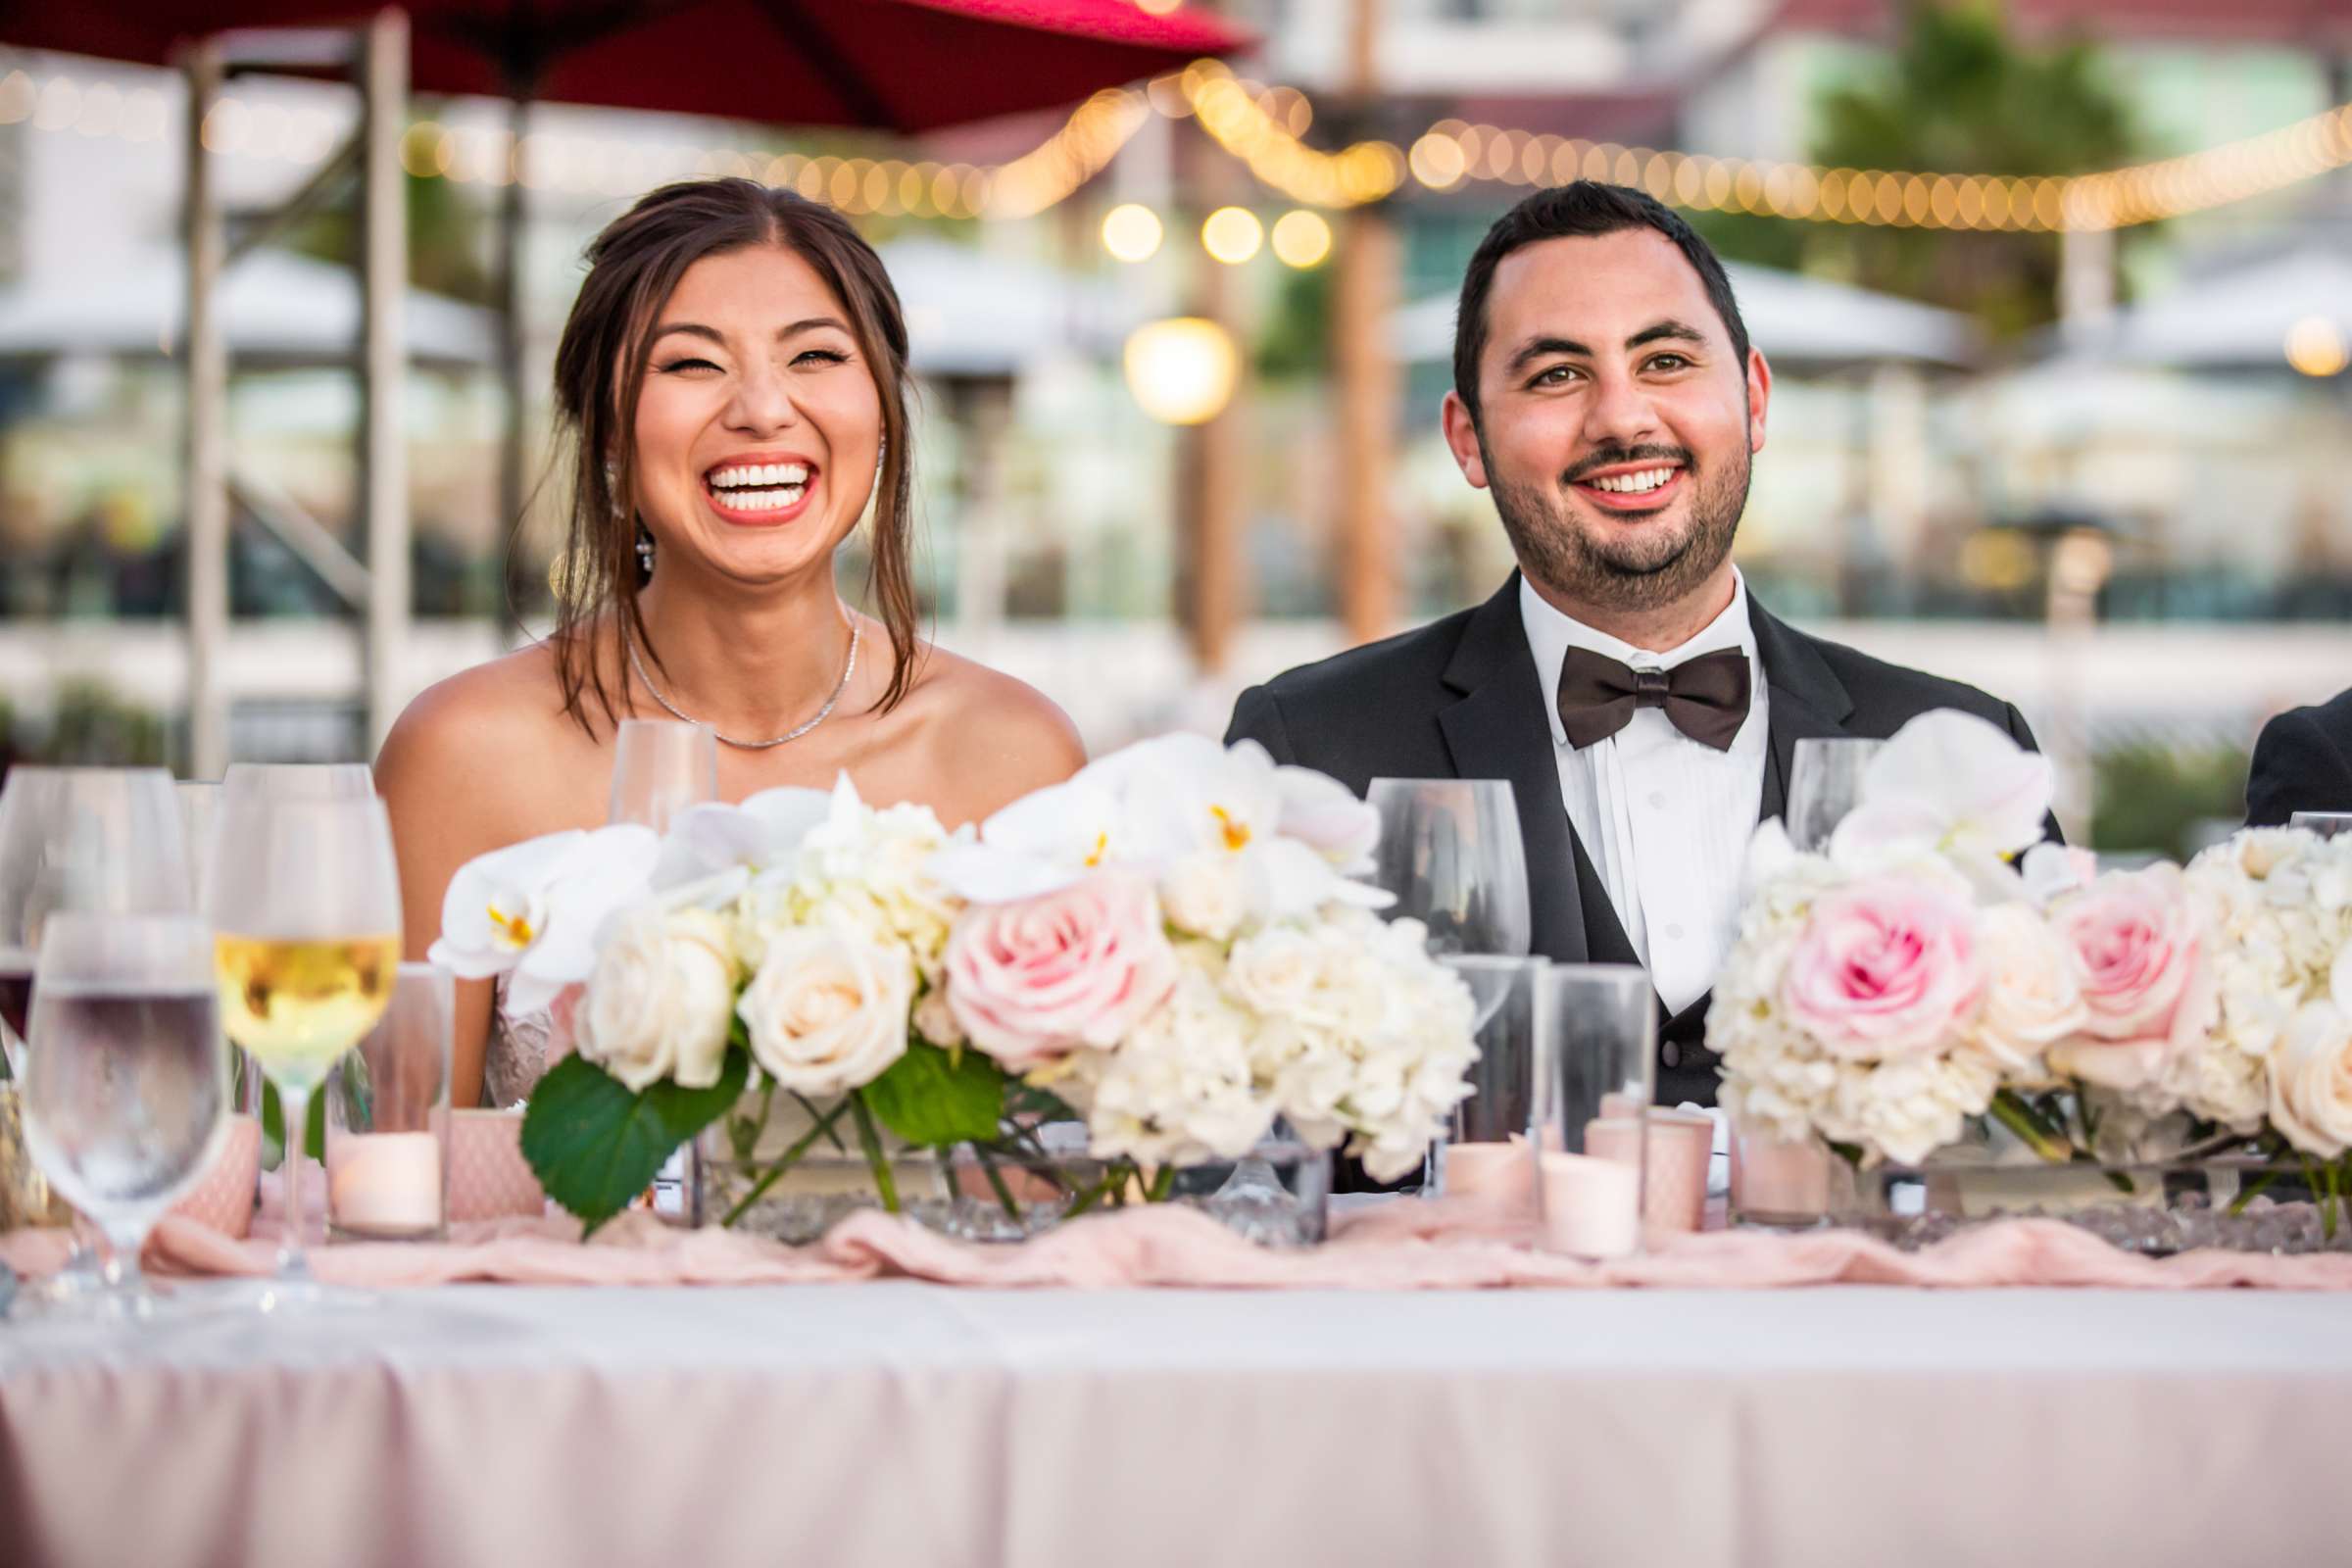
point(633, 267)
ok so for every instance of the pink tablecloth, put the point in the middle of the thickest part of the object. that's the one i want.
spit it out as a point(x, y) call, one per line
point(1401, 1246)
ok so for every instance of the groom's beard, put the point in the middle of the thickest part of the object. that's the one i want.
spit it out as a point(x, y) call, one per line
point(1590, 560)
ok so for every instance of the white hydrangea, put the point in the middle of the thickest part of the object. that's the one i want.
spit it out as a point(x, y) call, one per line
point(864, 869)
point(1181, 1089)
point(2278, 905)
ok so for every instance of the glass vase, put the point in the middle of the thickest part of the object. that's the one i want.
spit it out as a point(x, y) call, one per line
point(790, 1168)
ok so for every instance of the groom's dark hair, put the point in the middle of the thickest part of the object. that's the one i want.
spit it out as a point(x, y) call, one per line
point(1584, 210)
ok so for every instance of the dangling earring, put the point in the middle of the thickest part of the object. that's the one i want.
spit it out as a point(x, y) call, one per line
point(881, 451)
point(645, 551)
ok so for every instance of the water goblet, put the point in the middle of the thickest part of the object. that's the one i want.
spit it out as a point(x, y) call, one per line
point(127, 1086)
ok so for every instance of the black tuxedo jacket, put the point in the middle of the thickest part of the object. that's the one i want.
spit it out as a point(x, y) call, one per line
point(1460, 699)
point(2302, 763)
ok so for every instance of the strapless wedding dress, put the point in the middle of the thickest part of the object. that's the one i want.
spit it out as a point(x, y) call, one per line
point(516, 1054)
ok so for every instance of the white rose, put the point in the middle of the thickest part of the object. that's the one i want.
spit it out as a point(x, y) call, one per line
point(829, 1010)
point(1206, 894)
point(659, 997)
point(2030, 998)
point(2311, 1081)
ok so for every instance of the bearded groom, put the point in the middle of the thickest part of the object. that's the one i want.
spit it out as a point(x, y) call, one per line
point(1643, 706)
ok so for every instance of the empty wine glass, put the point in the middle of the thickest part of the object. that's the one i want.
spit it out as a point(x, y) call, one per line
point(126, 1088)
point(660, 768)
point(1825, 783)
point(103, 840)
point(1449, 850)
point(305, 897)
point(298, 781)
point(2327, 825)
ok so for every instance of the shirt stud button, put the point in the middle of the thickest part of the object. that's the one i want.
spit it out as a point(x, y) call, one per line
point(1657, 799)
point(1671, 1054)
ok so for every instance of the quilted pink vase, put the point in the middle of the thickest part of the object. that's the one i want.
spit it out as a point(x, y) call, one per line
point(223, 1198)
point(488, 1177)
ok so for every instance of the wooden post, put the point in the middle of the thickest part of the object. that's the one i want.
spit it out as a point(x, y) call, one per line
point(205, 430)
point(383, 289)
point(1364, 296)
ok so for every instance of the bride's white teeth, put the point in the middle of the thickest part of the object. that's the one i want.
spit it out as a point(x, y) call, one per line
point(1633, 483)
point(744, 475)
point(765, 500)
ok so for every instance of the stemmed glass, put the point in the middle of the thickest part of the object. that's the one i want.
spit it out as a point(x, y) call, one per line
point(298, 781)
point(661, 767)
point(1449, 850)
point(305, 900)
point(105, 840)
point(1825, 783)
point(2327, 825)
point(126, 1088)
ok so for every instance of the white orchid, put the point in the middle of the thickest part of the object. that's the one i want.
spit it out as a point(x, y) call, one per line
point(1951, 784)
point(763, 835)
point(1182, 806)
point(534, 909)
point(1040, 844)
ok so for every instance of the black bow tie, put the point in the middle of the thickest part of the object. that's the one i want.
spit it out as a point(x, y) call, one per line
point(1706, 698)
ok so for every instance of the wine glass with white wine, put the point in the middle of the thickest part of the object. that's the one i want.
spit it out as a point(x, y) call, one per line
point(305, 903)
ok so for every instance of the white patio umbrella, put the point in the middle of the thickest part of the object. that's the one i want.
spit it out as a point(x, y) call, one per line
point(2236, 318)
point(971, 313)
point(280, 308)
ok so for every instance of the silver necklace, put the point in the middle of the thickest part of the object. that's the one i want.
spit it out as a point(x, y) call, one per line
point(849, 667)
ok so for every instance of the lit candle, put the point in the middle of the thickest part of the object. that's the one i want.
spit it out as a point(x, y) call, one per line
point(385, 1184)
point(1591, 1206)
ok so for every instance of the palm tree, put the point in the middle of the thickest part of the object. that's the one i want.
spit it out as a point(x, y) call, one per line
point(1958, 94)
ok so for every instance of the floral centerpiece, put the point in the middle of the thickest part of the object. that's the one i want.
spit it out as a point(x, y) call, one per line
point(1169, 950)
point(1936, 971)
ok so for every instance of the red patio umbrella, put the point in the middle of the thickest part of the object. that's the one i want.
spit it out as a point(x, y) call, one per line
point(890, 64)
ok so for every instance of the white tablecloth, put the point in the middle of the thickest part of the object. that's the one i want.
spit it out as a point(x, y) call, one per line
point(906, 1425)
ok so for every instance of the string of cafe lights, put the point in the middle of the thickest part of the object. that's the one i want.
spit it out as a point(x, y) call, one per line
point(1264, 129)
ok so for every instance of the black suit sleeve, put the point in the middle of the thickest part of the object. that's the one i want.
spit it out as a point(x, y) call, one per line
point(2297, 767)
point(1257, 716)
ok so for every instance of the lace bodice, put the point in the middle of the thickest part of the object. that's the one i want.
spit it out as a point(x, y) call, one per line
point(516, 1054)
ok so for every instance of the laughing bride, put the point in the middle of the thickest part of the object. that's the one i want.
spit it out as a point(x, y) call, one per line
point(732, 388)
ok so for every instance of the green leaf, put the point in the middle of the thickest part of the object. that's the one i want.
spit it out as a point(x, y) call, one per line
point(596, 1146)
point(928, 1096)
point(274, 1128)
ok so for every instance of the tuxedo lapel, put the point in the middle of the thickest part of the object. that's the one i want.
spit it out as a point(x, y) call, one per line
point(1808, 702)
point(1498, 729)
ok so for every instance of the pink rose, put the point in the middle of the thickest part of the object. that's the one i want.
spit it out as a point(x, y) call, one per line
point(2133, 941)
point(1036, 978)
point(1886, 967)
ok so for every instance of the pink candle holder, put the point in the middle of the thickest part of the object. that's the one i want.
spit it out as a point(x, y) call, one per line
point(1785, 1186)
point(1676, 1150)
point(223, 1198)
point(488, 1177)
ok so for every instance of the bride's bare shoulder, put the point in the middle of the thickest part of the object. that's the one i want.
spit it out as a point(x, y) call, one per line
point(998, 737)
point(492, 737)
